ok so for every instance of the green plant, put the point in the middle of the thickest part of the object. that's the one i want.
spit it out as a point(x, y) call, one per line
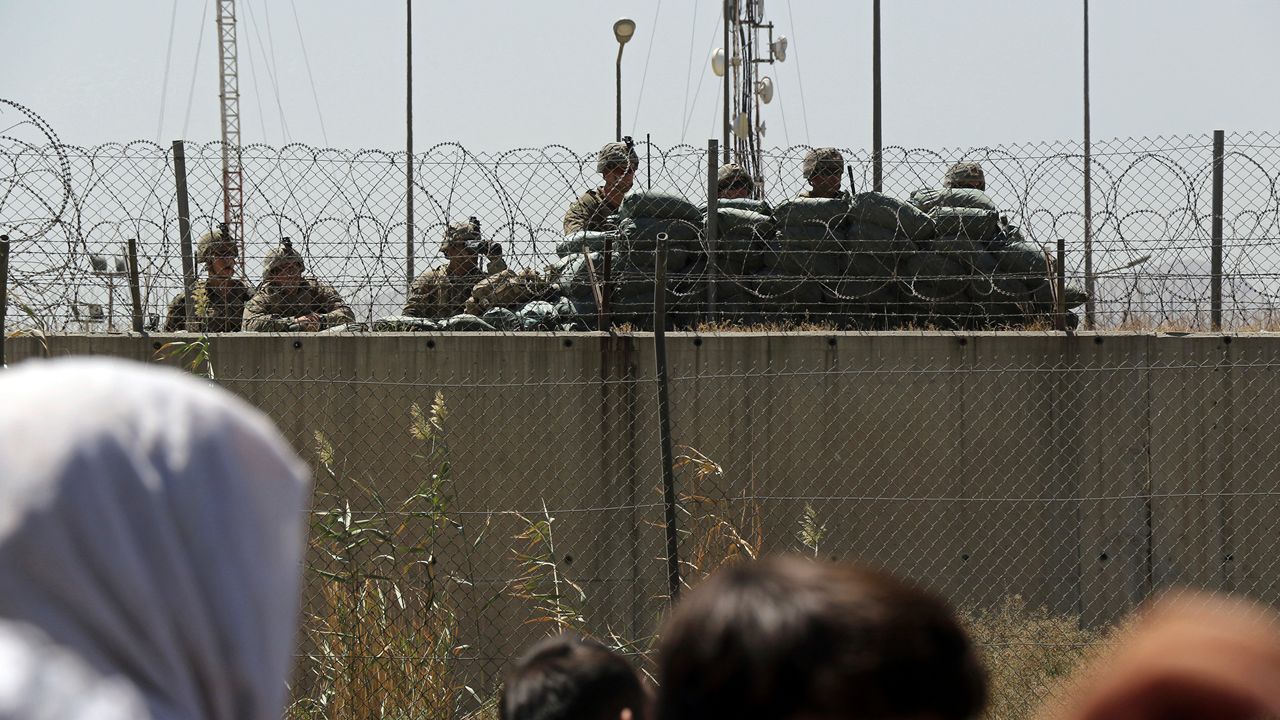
point(811, 530)
point(195, 355)
point(557, 600)
point(386, 640)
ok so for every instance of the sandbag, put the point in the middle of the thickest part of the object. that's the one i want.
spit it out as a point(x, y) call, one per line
point(968, 222)
point(728, 219)
point(591, 240)
point(746, 204)
point(1024, 259)
point(656, 204)
point(502, 319)
point(573, 279)
point(642, 233)
point(465, 322)
point(810, 212)
point(929, 199)
point(934, 276)
point(872, 208)
point(736, 255)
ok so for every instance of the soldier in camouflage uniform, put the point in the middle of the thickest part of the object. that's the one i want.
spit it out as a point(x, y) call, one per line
point(443, 290)
point(824, 169)
point(733, 182)
point(617, 162)
point(288, 302)
point(965, 175)
point(218, 301)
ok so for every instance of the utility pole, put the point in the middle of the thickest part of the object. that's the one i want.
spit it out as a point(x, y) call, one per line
point(408, 144)
point(877, 151)
point(1090, 306)
point(232, 172)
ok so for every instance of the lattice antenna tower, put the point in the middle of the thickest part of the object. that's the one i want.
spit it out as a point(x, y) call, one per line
point(751, 43)
point(232, 171)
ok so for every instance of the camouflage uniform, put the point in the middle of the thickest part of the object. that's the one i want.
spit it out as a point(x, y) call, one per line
point(438, 293)
point(215, 310)
point(274, 309)
point(823, 161)
point(592, 210)
point(965, 175)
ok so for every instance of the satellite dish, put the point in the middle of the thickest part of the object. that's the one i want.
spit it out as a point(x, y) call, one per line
point(779, 48)
point(740, 127)
point(764, 88)
point(717, 62)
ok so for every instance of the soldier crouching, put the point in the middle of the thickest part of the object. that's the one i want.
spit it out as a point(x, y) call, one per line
point(288, 302)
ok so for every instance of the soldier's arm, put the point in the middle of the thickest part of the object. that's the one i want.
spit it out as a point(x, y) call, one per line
point(416, 304)
point(337, 313)
point(257, 319)
point(575, 218)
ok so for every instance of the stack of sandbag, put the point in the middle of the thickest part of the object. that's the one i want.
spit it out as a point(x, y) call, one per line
point(808, 255)
point(745, 232)
point(645, 215)
point(882, 235)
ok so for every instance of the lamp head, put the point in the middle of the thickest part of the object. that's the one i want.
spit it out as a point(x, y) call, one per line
point(623, 29)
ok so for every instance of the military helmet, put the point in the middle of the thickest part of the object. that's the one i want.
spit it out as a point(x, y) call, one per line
point(965, 175)
point(463, 233)
point(214, 244)
point(733, 173)
point(281, 256)
point(823, 161)
point(617, 155)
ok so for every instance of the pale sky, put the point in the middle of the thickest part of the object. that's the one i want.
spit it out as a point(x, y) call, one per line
point(500, 74)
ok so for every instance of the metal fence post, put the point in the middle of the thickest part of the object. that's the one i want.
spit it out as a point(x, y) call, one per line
point(184, 233)
point(1060, 297)
point(1215, 260)
point(664, 417)
point(135, 289)
point(877, 151)
point(713, 224)
point(4, 293)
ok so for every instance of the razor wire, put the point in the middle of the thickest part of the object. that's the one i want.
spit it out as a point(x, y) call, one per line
point(344, 211)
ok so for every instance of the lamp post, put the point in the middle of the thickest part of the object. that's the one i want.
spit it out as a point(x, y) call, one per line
point(623, 30)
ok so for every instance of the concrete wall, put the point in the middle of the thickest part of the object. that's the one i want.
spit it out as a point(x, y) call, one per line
point(1080, 472)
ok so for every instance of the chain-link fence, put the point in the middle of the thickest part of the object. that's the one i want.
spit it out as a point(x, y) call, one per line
point(476, 492)
point(905, 258)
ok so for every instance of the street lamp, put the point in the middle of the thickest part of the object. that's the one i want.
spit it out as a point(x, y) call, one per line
point(623, 30)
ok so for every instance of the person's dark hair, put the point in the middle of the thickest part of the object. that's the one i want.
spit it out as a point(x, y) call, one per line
point(785, 637)
point(572, 678)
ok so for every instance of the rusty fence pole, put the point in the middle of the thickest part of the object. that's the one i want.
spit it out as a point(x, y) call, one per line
point(877, 149)
point(713, 225)
point(664, 417)
point(184, 234)
point(135, 288)
point(4, 293)
point(1215, 259)
point(1060, 294)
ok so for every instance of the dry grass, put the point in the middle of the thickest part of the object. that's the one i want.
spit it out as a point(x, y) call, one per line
point(384, 642)
point(1027, 652)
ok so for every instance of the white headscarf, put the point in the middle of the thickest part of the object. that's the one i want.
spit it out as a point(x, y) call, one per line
point(152, 526)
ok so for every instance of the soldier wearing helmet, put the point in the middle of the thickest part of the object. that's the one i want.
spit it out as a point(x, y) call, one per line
point(286, 301)
point(824, 169)
point(733, 182)
point(965, 175)
point(617, 162)
point(443, 290)
point(217, 301)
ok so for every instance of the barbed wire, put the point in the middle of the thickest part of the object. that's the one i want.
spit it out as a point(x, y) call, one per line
point(344, 210)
